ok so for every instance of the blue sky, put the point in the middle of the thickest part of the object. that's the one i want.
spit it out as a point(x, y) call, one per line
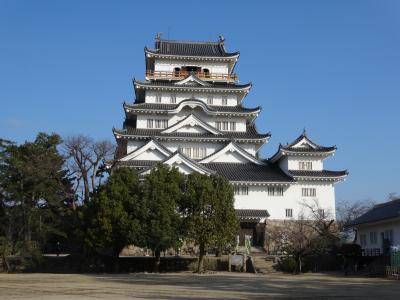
point(330, 66)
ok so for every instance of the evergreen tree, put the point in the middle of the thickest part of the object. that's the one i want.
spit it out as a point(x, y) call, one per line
point(162, 192)
point(209, 214)
point(113, 218)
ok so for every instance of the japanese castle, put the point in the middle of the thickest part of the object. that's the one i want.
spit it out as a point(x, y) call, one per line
point(188, 113)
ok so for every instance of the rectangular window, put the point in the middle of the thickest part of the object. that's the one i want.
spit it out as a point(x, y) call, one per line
point(187, 151)
point(305, 165)
point(321, 213)
point(308, 192)
point(373, 237)
point(157, 124)
point(149, 123)
point(224, 100)
point(158, 98)
point(225, 125)
point(232, 126)
point(241, 190)
point(389, 235)
point(289, 213)
point(210, 100)
point(218, 125)
point(275, 191)
point(173, 98)
point(363, 239)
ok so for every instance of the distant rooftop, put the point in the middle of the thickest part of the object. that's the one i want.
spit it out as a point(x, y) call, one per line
point(380, 212)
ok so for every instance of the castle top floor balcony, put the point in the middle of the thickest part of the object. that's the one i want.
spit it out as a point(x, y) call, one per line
point(181, 74)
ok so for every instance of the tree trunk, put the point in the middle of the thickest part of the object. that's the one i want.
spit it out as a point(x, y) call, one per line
point(299, 264)
point(200, 267)
point(116, 261)
point(157, 261)
point(86, 186)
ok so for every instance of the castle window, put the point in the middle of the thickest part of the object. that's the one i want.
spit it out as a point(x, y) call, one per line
point(225, 125)
point(241, 190)
point(173, 98)
point(308, 192)
point(363, 239)
point(177, 72)
point(305, 165)
point(275, 191)
point(321, 213)
point(199, 152)
point(373, 237)
point(218, 125)
point(149, 123)
point(210, 100)
point(206, 73)
point(289, 212)
point(224, 100)
point(232, 126)
point(158, 98)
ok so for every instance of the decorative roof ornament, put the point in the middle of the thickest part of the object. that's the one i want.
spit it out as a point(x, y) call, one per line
point(221, 39)
point(158, 36)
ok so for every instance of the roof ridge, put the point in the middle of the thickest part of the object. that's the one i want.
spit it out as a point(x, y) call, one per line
point(386, 203)
point(189, 42)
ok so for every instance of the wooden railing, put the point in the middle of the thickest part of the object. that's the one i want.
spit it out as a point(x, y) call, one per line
point(183, 74)
point(371, 252)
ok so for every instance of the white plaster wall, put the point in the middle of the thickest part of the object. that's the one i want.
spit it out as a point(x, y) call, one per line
point(170, 65)
point(150, 155)
point(133, 145)
point(150, 97)
point(379, 228)
point(231, 157)
point(276, 205)
point(292, 163)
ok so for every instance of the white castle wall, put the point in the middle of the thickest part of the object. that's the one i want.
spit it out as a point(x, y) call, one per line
point(292, 163)
point(151, 96)
point(170, 65)
point(258, 198)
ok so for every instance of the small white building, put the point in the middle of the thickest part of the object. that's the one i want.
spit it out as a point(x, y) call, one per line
point(379, 228)
point(188, 113)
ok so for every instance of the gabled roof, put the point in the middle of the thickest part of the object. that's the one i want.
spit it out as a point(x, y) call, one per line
point(166, 108)
point(152, 144)
point(234, 172)
point(318, 175)
point(381, 212)
point(192, 80)
point(189, 48)
point(177, 158)
point(303, 146)
point(232, 147)
point(192, 121)
point(251, 135)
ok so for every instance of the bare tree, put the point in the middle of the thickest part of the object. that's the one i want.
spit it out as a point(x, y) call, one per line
point(349, 211)
point(313, 232)
point(85, 157)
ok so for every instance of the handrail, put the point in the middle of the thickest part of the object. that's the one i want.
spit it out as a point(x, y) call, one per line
point(183, 74)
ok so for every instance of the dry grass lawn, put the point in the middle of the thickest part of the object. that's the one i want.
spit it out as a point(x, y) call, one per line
point(192, 286)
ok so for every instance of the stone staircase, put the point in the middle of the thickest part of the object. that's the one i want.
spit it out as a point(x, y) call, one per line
point(263, 264)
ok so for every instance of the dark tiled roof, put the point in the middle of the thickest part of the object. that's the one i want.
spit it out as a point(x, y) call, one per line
point(185, 48)
point(216, 108)
point(252, 213)
point(251, 133)
point(231, 171)
point(380, 212)
point(249, 172)
point(216, 85)
point(309, 150)
point(323, 173)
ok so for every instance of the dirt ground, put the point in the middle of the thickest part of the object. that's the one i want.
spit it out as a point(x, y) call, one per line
point(192, 286)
